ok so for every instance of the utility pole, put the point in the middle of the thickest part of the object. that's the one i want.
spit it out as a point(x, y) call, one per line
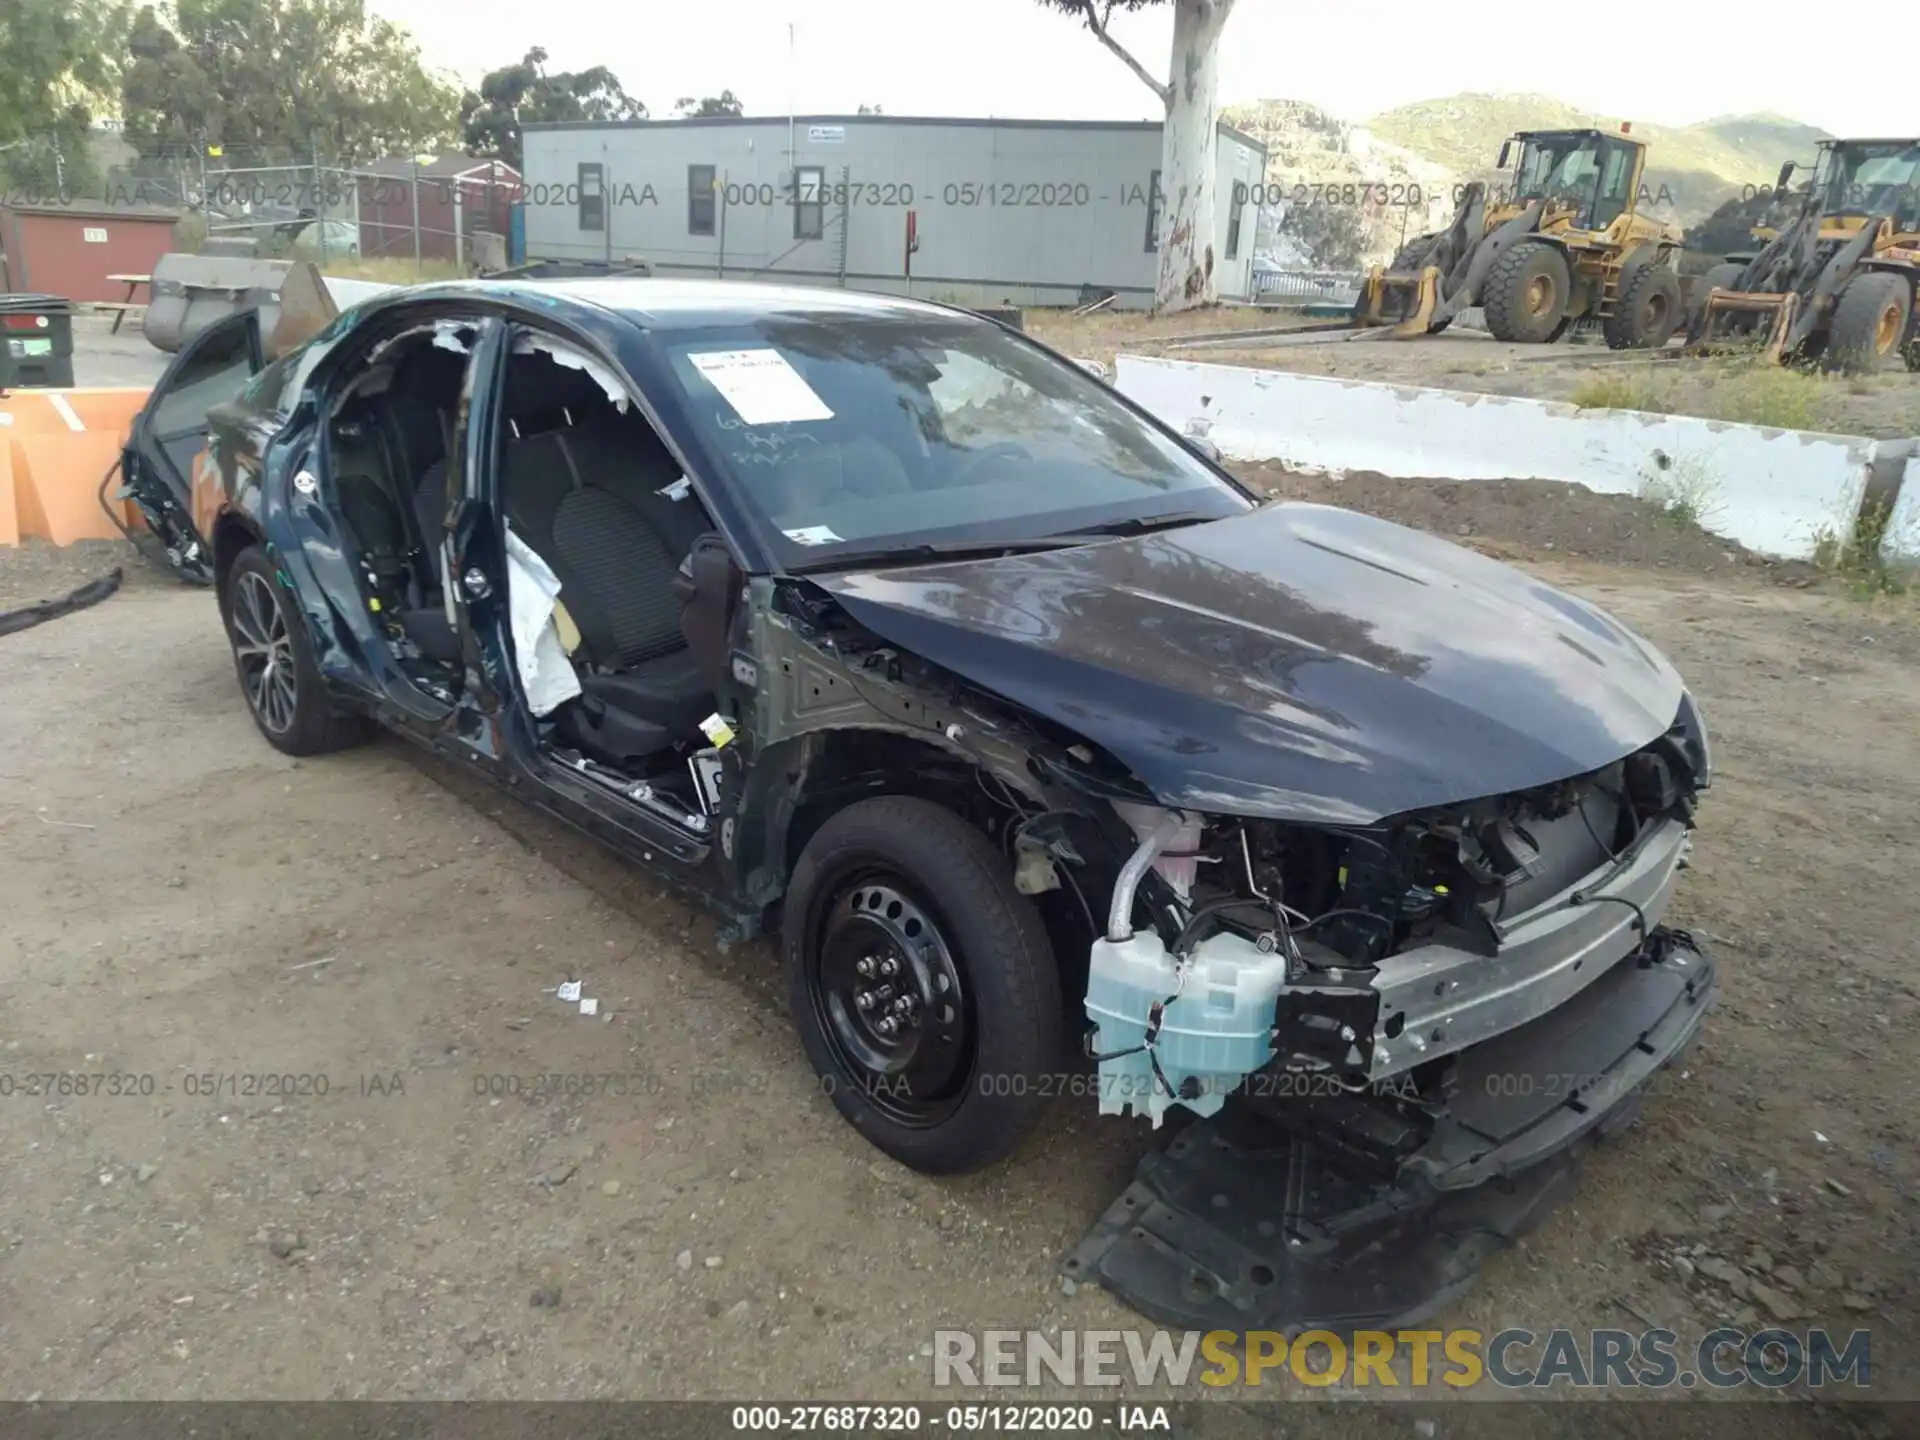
point(320, 221)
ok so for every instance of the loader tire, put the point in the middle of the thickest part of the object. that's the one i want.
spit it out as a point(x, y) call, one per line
point(1525, 295)
point(1646, 312)
point(1411, 254)
point(1869, 327)
point(1724, 276)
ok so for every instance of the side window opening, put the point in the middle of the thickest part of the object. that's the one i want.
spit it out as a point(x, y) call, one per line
point(1616, 181)
point(601, 520)
point(217, 372)
point(389, 442)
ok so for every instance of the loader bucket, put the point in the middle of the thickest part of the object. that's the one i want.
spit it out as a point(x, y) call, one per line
point(191, 292)
point(1405, 301)
point(1722, 315)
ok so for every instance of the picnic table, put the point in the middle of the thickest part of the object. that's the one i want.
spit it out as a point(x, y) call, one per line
point(120, 308)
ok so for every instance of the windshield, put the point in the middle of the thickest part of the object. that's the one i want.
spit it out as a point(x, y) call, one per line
point(1558, 167)
point(849, 434)
point(1875, 179)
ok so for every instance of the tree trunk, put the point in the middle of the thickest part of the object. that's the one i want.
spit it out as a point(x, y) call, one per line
point(1189, 157)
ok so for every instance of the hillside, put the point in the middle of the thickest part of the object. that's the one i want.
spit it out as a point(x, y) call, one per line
point(1691, 169)
point(1405, 166)
point(1308, 148)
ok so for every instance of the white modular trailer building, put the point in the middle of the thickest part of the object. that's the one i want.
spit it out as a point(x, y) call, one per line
point(972, 211)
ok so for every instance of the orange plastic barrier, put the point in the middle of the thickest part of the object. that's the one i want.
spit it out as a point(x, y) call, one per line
point(56, 446)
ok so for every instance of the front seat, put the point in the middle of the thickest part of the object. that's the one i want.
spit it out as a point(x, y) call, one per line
point(642, 691)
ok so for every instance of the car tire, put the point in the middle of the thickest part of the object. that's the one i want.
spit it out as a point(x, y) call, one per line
point(910, 889)
point(273, 659)
point(1525, 296)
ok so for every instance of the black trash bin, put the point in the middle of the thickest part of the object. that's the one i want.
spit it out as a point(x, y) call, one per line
point(38, 330)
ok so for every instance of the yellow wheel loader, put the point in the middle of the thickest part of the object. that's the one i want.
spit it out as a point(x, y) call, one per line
point(1561, 239)
point(1839, 280)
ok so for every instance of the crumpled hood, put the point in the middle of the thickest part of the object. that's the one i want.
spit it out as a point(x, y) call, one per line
point(1297, 662)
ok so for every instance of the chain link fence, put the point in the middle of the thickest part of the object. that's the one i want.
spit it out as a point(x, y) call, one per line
point(1286, 289)
point(403, 218)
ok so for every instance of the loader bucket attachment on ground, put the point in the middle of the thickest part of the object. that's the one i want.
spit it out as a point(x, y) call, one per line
point(192, 292)
point(1406, 302)
point(1738, 315)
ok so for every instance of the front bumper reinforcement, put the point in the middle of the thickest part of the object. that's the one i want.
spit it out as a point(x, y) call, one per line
point(1260, 1218)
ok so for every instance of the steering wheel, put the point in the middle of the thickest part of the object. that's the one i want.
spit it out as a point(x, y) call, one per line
point(999, 450)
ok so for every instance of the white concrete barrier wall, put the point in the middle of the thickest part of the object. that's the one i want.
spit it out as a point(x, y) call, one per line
point(1901, 543)
point(1779, 492)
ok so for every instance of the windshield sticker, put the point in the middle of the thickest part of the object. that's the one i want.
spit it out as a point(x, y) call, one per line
point(812, 535)
point(761, 386)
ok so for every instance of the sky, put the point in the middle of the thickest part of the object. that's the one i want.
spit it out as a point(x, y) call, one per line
point(1015, 58)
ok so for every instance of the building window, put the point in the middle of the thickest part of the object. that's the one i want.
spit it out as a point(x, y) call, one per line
point(809, 207)
point(1233, 223)
point(1153, 214)
point(700, 199)
point(593, 197)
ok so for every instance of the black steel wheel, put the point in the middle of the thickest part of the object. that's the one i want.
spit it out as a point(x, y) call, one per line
point(922, 984)
point(272, 657)
point(890, 1000)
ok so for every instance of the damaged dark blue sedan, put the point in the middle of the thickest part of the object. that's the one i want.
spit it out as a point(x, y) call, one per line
point(1059, 763)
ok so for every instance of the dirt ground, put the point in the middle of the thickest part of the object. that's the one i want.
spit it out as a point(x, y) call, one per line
point(186, 909)
point(1885, 405)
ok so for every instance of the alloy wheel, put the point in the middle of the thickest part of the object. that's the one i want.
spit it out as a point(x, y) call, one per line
point(264, 651)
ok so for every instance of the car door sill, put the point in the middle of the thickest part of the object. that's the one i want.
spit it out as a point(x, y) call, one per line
point(639, 796)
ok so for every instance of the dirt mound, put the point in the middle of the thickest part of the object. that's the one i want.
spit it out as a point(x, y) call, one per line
point(1535, 516)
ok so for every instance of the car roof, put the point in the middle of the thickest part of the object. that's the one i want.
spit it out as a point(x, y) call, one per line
point(660, 304)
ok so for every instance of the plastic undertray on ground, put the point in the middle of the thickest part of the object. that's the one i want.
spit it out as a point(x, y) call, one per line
point(1246, 1221)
